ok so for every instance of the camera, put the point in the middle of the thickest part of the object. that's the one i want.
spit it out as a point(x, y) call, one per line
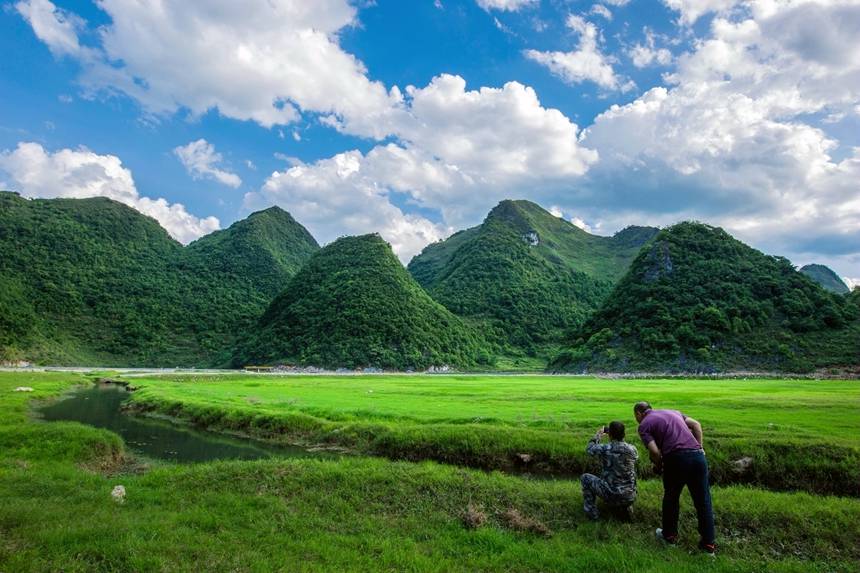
point(605, 429)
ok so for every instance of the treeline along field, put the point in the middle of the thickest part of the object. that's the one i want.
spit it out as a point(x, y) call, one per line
point(780, 434)
point(362, 514)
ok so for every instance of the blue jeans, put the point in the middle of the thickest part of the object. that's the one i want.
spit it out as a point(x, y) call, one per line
point(687, 468)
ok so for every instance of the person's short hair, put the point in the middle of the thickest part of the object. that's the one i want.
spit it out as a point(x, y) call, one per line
point(640, 407)
point(616, 430)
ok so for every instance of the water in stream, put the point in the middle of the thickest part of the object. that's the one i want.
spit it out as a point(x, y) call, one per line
point(99, 406)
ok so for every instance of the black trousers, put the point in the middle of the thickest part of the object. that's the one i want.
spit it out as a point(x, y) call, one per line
point(687, 468)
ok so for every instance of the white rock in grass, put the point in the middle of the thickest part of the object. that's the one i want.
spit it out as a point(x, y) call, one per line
point(118, 494)
point(23, 389)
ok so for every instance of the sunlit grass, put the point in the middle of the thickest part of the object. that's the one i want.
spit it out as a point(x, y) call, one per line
point(361, 514)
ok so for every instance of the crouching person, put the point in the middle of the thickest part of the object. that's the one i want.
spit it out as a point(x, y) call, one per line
point(616, 485)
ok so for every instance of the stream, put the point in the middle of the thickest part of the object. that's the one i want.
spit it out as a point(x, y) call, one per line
point(101, 406)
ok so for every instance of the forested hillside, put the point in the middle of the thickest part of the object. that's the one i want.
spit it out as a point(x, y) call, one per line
point(698, 299)
point(354, 305)
point(526, 276)
point(92, 281)
point(825, 276)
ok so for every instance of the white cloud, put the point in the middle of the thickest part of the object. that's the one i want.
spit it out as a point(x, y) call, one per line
point(601, 10)
point(692, 10)
point(460, 151)
point(647, 54)
point(506, 5)
point(734, 136)
point(586, 63)
point(80, 173)
point(54, 26)
point(581, 224)
point(732, 140)
point(200, 160)
point(851, 283)
point(494, 134)
point(261, 60)
point(341, 195)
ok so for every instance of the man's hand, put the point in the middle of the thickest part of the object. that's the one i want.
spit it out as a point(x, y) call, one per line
point(600, 433)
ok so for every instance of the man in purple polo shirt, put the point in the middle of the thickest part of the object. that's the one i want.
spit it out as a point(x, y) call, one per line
point(674, 443)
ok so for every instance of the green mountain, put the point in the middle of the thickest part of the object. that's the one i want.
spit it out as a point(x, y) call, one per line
point(699, 300)
point(527, 276)
point(92, 281)
point(825, 277)
point(354, 305)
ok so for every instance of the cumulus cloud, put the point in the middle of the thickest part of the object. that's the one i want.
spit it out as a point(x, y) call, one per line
point(731, 140)
point(506, 5)
point(460, 151)
point(266, 61)
point(736, 135)
point(577, 221)
point(80, 173)
point(342, 195)
point(585, 63)
point(200, 160)
point(647, 54)
point(692, 10)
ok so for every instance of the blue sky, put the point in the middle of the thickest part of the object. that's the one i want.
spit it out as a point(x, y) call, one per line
point(744, 114)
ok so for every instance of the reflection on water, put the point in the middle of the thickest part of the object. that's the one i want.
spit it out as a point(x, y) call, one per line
point(99, 406)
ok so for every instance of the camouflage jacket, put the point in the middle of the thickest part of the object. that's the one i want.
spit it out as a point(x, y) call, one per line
point(619, 465)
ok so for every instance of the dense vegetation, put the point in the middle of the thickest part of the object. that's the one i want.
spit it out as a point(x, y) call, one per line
point(825, 276)
point(361, 514)
point(354, 305)
point(698, 299)
point(93, 281)
point(525, 275)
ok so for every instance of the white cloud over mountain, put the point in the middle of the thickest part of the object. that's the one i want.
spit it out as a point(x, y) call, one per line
point(343, 195)
point(454, 156)
point(750, 128)
point(731, 140)
point(201, 161)
point(80, 173)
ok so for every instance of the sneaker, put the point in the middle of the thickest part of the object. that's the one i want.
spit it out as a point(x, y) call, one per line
point(662, 539)
point(709, 549)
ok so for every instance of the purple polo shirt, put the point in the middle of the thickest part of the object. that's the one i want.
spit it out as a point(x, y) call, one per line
point(668, 429)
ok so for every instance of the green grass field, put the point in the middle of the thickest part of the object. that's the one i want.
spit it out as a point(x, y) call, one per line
point(801, 434)
point(367, 514)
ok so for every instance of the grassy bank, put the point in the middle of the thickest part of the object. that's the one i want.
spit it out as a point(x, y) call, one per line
point(799, 434)
point(357, 514)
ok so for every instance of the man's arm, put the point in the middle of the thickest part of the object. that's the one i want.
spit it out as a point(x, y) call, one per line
point(696, 428)
point(654, 454)
point(594, 446)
